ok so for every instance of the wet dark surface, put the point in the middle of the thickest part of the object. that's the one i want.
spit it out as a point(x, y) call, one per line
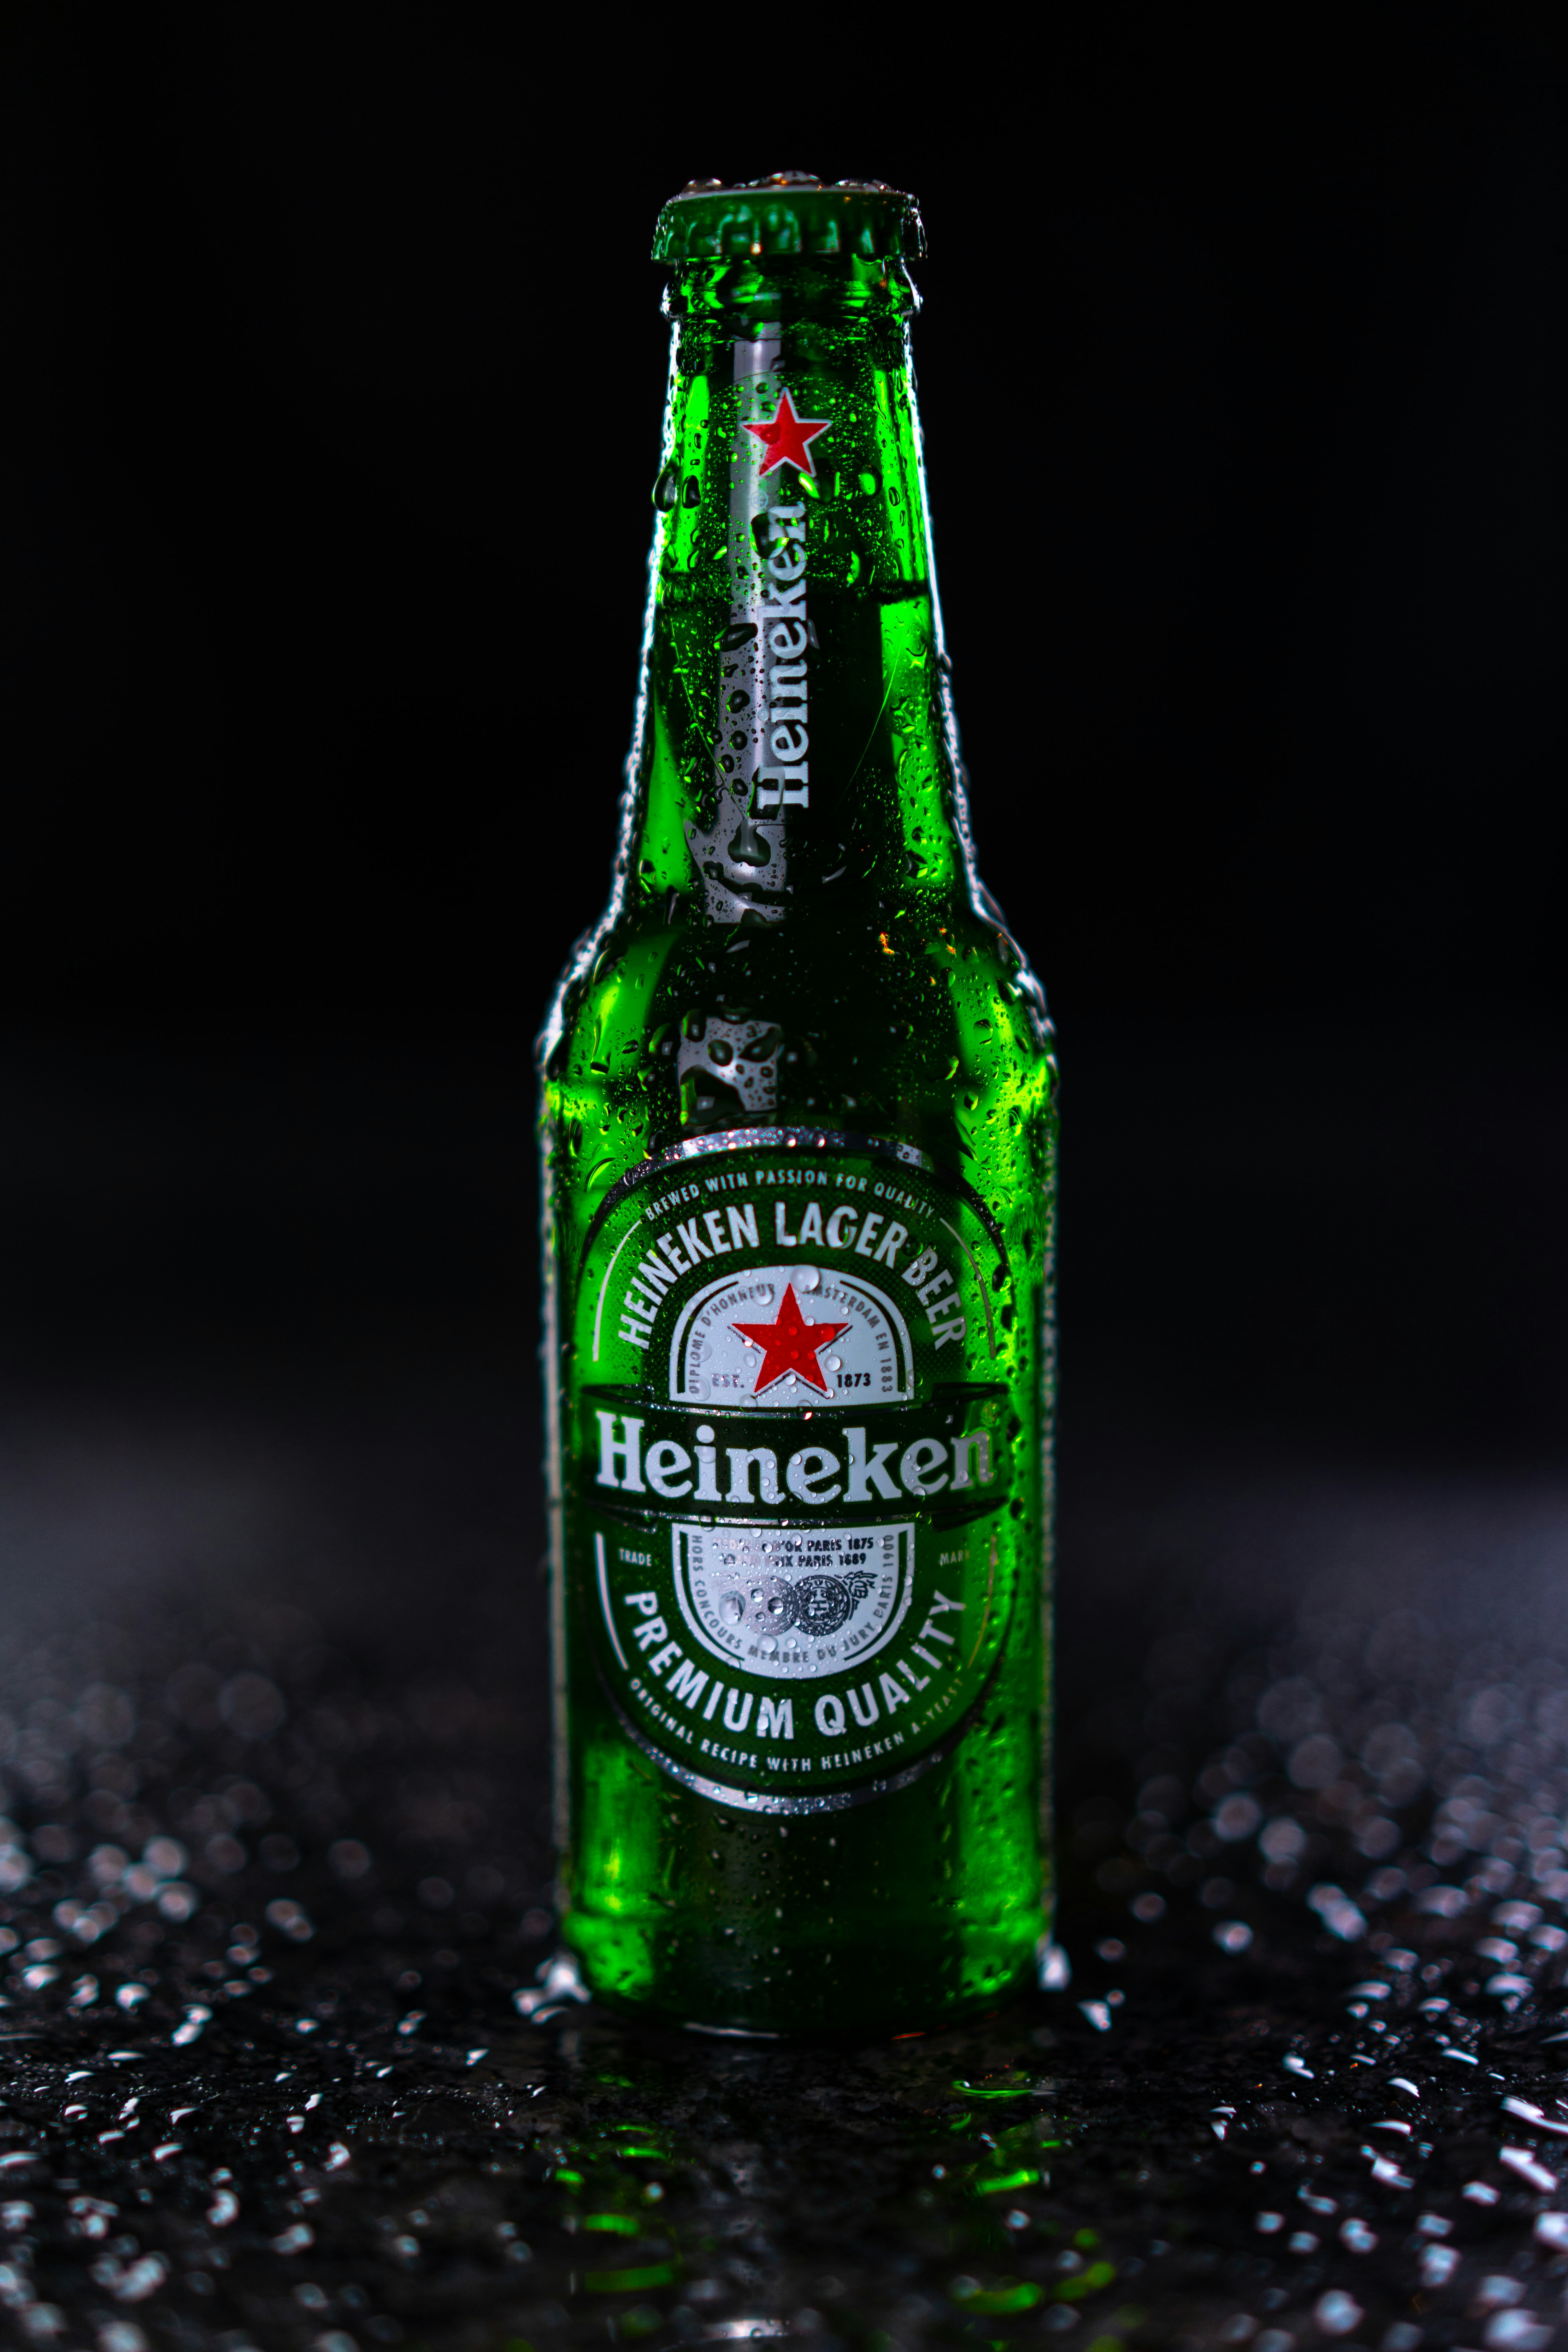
point(285, 2061)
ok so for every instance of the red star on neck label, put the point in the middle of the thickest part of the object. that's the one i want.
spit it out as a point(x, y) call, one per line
point(787, 438)
point(790, 1344)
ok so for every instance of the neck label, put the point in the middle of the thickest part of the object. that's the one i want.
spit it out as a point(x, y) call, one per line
point(786, 632)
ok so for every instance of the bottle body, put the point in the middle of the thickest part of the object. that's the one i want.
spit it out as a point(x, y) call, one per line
point(798, 1144)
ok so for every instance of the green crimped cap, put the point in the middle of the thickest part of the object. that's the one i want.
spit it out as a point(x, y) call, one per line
point(787, 214)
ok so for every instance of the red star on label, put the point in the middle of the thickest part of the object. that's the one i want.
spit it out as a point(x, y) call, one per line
point(788, 438)
point(790, 1345)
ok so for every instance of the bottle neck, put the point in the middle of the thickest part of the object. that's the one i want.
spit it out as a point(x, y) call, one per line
point(795, 730)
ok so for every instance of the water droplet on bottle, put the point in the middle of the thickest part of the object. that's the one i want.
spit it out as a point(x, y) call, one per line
point(749, 847)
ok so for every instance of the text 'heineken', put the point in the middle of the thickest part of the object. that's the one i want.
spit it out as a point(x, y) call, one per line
point(798, 1136)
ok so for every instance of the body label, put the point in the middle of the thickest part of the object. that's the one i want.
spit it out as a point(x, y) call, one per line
point(794, 1463)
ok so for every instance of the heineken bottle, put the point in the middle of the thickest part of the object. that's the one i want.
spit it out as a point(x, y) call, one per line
point(798, 1140)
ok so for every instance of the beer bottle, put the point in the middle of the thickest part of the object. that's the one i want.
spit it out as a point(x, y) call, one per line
point(798, 1161)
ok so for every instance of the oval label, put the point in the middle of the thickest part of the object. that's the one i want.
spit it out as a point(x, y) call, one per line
point(790, 1535)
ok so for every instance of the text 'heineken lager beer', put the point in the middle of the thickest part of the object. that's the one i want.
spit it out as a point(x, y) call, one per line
point(798, 1135)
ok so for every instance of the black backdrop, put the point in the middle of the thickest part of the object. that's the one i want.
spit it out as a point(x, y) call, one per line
point(335, 374)
point(339, 373)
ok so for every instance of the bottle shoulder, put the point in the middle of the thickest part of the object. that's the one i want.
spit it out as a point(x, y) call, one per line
point(915, 1018)
point(653, 959)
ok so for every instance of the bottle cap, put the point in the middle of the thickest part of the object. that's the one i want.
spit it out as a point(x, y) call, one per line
point(787, 214)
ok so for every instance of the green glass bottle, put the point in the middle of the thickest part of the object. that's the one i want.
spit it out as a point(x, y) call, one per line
point(798, 1135)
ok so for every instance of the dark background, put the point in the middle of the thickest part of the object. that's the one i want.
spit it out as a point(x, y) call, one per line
point(334, 373)
point(337, 374)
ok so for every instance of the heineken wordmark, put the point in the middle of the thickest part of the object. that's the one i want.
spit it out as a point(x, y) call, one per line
point(798, 1135)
